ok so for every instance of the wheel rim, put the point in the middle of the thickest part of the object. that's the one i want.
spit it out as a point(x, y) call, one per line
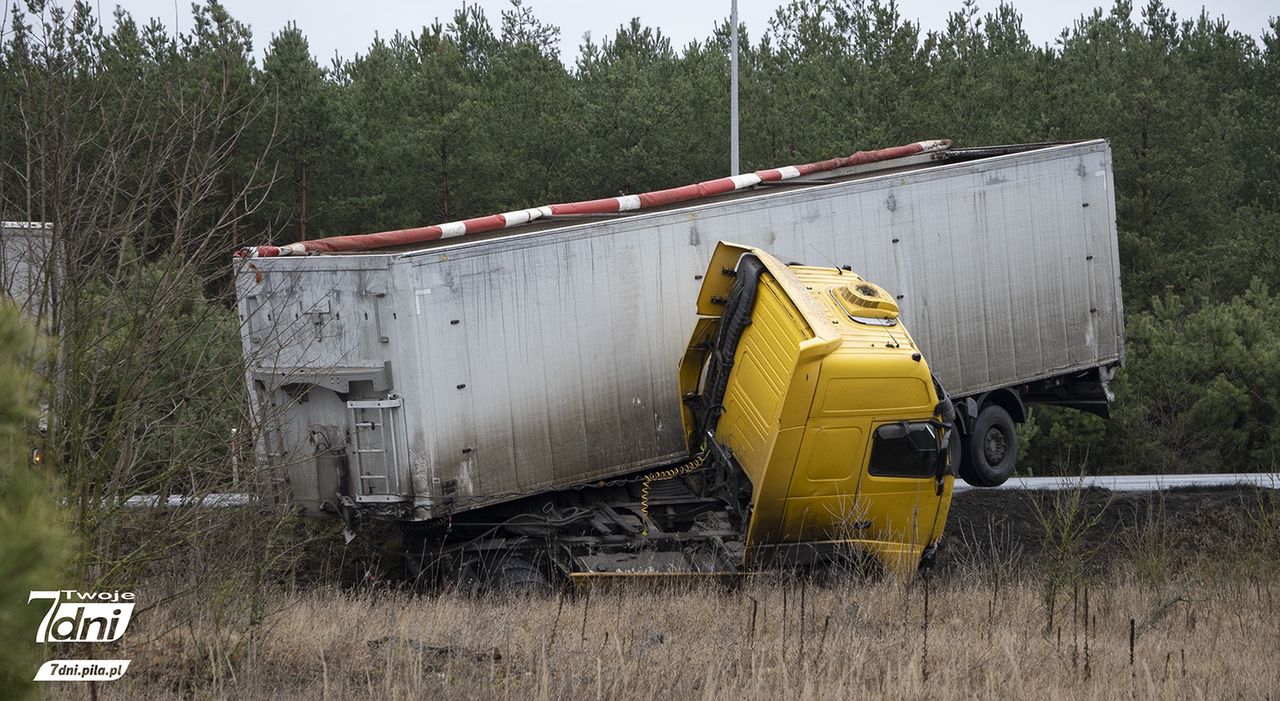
point(995, 446)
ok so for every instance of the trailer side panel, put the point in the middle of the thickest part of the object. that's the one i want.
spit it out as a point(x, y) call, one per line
point(547, 359)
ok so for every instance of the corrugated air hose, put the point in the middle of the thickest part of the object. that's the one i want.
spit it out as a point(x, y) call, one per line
point(666, 475)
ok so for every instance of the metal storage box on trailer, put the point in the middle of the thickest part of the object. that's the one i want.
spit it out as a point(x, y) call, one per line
point(469, 372)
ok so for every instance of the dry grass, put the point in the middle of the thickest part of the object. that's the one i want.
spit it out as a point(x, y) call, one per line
point(1193, 640)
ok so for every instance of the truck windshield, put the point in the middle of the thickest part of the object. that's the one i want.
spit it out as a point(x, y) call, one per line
point(905, 449)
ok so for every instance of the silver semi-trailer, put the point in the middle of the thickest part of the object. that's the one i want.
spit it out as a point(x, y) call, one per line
point(417, 382)
point(27, 270)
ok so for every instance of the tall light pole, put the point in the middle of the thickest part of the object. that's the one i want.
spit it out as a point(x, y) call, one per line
point(733, 88)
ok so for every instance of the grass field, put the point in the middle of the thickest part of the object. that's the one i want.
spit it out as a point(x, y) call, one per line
point(1195, 622)
point(1190, 641)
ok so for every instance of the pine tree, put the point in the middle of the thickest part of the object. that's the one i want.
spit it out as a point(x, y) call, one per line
point(299, 94)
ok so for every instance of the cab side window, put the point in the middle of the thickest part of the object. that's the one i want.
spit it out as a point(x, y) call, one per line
point(904, 450)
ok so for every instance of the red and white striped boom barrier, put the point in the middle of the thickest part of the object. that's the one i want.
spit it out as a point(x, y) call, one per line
point(608, 205)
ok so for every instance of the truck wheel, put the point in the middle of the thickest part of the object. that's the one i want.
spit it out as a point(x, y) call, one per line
point(415, 565)
point(991, 451)
point(519, 576)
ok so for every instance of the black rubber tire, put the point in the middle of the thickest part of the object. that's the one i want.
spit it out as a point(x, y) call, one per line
point(413, 568)
point(517, 575)
point(415, 564)
point(468, 577)
point(991, 449)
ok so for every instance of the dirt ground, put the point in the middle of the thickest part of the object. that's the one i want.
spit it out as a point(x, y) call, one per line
point(1185, 526)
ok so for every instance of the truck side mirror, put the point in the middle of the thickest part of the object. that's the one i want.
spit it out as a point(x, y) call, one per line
point(944, 466)
point(892, 432)
point(923, 439)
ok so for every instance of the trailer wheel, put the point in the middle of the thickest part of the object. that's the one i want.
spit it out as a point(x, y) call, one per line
point(519, 576)
point(415, 565)
point(991, 451)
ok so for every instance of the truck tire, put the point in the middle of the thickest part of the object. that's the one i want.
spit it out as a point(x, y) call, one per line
point(991, 450)
point(516, 575)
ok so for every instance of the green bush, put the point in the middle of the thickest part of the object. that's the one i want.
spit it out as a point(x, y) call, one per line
point(168, 373)
point(35, 538)
point(1200, 393)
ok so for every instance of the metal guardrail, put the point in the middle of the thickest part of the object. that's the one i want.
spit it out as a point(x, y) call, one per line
point(1115, 483)
point(206, 501)
point(1135, 483)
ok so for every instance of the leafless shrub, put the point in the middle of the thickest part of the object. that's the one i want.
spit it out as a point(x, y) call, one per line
point(1146, 545)
point(134, 148)
point(1064, 520)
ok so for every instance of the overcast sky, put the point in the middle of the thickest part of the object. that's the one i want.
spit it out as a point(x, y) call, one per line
point(347, 27)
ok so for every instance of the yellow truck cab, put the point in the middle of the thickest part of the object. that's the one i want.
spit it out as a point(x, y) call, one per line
point(806, 380)
point(815, 433)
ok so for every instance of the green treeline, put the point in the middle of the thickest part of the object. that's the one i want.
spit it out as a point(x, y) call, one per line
point(155, 148)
